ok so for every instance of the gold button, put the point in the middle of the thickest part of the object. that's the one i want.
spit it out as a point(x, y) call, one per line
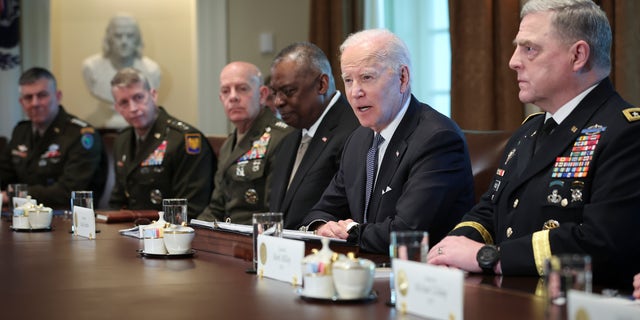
point(515, 203)
point(509, 232)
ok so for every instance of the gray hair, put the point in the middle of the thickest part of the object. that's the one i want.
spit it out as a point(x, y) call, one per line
point(394, 53)
point(310, 55)
point(578, 20)
point(130, 76)
point(36, 73)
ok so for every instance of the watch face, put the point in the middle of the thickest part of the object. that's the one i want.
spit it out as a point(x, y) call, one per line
point(487, 256)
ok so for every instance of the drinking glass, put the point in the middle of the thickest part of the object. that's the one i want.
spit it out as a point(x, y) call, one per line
point(564, 272)
point(18, 190)
point(175, 211)
point(407, 245)
point(266, 223)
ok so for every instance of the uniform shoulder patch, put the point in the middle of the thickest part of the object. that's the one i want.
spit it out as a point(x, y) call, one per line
point(632, 114)
point(79, 122)
point(531, 116)
point(193, 143)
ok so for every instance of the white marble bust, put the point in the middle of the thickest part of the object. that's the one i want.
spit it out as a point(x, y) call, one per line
point(122, 47)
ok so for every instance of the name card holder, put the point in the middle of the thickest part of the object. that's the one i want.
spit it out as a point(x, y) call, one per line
point(582, 305)
point(429, 291)
point(84, 221)
point(280, 259)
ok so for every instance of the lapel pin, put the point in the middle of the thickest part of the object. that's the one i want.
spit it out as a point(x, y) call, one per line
point(324, 139)
point(574, 129)
point(397, 153)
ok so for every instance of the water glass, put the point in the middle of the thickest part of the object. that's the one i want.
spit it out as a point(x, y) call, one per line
point(565, 272)
point(17, 190)
point(266, 223)
point(175, 211)
point(407, 245)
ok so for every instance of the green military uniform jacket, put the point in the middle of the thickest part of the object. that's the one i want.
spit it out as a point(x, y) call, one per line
point(243, 176)
point(174, 161)
point(69, 156)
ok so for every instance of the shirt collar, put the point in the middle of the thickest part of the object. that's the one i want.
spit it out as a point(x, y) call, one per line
point(568, 107)
point(387, 133)
point(312, 130)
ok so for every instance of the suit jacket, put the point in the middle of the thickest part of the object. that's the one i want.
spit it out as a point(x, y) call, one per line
point(175, 161)
point(244, 171)
point(579, 194)
point(319, 164)
point(69, 156)
point(424, 181)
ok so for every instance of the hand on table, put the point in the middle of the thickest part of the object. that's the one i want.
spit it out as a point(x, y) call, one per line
point(456, 251)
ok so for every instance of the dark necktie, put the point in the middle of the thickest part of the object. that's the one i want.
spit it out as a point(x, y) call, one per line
point(547, 129)
point(372, 166)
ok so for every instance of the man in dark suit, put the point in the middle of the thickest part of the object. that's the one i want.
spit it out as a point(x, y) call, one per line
point(580, 192)
point(424, 179)
point(307, 99)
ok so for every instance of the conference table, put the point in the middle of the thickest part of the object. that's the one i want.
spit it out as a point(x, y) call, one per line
point(55, 275)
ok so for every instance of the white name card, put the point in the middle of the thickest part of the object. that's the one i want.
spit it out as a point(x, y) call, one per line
point(280, 259)
point(582, 305)
point(429, 291)
point(84, 221)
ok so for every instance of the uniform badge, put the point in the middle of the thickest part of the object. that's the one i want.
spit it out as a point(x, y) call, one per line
point(576, 191)
point(52, 152)
point(193, 143)
point(554, 197)
point(510, 155)
point(251, 196)
point(20, 151)
point(155, 196)
point(240, 168)
point(550, 224)
point(87, 140)
point(256, 165)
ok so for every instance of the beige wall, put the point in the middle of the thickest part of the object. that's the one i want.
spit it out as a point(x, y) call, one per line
point(168, 30)
point(287, 20)
point(171, 38)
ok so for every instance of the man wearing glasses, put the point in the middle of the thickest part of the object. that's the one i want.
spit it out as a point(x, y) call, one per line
point(158, 156)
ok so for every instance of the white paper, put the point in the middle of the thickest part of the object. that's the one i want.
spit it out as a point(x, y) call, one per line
point(85, 222)
point(131, 232)
point(582, 305)
point(280, 259)
point(248, 229)
point(429, 291)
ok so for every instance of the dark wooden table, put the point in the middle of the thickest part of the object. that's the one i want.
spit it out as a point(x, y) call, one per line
point(53, 275)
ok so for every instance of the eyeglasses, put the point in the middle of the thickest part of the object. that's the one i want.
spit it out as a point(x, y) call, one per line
point(288, 91)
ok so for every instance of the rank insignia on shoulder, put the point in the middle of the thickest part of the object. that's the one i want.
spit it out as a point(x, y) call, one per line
point(193, 143)
point(87, 140)
point(281, 124)
point(632, 114)
point(79, 122)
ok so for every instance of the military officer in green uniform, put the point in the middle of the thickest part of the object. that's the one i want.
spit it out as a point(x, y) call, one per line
point(247, 157)
point(53, 152)
point(158, 156)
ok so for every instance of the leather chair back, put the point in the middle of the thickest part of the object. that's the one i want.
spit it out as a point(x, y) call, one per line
point(485, 150)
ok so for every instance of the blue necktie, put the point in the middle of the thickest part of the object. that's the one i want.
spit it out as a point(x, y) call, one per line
point(372, 166)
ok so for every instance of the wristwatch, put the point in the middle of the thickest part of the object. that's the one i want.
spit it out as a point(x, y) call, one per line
point(488, 256)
